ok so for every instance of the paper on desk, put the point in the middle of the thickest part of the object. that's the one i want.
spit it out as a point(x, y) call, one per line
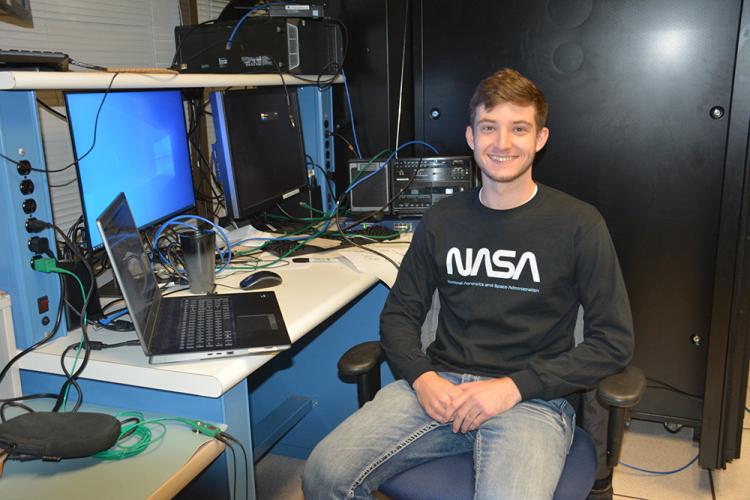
point(249, 236)
point(247, 232)
point(370, 263)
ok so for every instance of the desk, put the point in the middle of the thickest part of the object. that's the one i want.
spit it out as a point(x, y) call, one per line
point(327, 308)
point(330, 305)
point(160, 472)
point(20, 137)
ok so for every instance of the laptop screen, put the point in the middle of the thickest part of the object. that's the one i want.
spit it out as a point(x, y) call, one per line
point(129, 262)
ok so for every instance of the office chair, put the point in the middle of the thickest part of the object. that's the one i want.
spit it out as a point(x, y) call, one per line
point(452, 478)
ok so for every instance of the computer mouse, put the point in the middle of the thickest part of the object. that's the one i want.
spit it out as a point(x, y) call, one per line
point(260, 279)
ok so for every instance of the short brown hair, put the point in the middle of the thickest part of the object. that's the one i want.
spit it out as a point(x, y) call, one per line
point(508, 85)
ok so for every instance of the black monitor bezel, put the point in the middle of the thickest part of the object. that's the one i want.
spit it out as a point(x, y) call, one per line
point(258, 206)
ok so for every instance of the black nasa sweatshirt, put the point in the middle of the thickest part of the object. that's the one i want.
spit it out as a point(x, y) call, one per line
point(510, 284)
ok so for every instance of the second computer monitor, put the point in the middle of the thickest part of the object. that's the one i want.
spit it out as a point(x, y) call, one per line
point(260, 148)
point(134, 142)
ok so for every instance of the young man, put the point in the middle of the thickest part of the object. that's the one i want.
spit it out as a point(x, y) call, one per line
point(512, 262)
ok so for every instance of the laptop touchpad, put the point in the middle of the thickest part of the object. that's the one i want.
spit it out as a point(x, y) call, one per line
point(256, 322)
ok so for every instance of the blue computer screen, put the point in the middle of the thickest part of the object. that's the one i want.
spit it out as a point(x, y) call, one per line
point(140, 148)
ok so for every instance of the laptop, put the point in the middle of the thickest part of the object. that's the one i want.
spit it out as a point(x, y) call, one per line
point(186, 328)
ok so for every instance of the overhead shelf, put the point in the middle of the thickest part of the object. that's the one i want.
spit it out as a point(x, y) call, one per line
point(81, 80)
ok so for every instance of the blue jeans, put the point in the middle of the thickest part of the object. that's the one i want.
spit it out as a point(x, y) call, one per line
point(518, 454)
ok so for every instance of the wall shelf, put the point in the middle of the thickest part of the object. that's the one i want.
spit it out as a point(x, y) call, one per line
point(81, 80)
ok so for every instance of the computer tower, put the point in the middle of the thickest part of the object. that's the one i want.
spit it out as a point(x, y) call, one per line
point(261, 45)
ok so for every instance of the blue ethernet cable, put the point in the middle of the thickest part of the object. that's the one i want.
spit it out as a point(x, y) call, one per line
point(230, 40)
point(392, 155)
point(226, 253)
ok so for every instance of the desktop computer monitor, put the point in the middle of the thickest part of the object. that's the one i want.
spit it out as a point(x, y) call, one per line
point(134, 142)
point(259, 147)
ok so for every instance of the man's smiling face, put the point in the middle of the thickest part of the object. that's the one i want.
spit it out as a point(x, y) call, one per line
point(505, 140)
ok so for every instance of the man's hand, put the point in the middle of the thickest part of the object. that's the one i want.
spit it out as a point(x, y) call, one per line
point(437, 396)
point(482, 400)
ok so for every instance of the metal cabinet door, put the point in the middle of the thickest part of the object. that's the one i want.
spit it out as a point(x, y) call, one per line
point(639, 96)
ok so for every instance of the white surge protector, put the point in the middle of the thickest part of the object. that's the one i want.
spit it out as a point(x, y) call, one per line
point(10, 386)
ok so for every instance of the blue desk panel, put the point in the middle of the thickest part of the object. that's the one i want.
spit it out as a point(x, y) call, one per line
point(309, 369)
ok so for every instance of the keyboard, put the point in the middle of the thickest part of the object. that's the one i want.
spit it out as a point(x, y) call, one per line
point(205, 323)
point(281, 248)
point(26, 59)
point(368, 234)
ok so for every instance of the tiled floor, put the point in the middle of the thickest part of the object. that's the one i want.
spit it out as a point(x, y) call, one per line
point(279, 478)
point(650, 446)
point(647, 445)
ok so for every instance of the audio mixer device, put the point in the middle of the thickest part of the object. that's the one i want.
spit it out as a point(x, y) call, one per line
point(24, 195)
point(414, 184)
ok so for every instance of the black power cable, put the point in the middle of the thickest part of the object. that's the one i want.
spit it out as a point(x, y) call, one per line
point(228, 445)
point(334, 67)
point(207, 177)
point(74, 162)
point(667, 387)
point(87, 65)
point(44, 340)
point(13, 402)
point(384, 207)
point(71, 377)
point(53, 186)
point(229, 437)
point(52, 111)
point(349, 146)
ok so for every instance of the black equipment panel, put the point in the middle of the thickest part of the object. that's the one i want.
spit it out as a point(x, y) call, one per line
point(261, 45)
point(424, 182)
point(639, 95)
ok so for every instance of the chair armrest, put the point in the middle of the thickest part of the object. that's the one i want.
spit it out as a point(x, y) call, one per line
point(624, 389)
point(620, 392)
point(362, 358)
point(363, 362)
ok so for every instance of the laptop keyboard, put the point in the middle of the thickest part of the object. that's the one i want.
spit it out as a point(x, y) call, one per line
point(206, 323)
